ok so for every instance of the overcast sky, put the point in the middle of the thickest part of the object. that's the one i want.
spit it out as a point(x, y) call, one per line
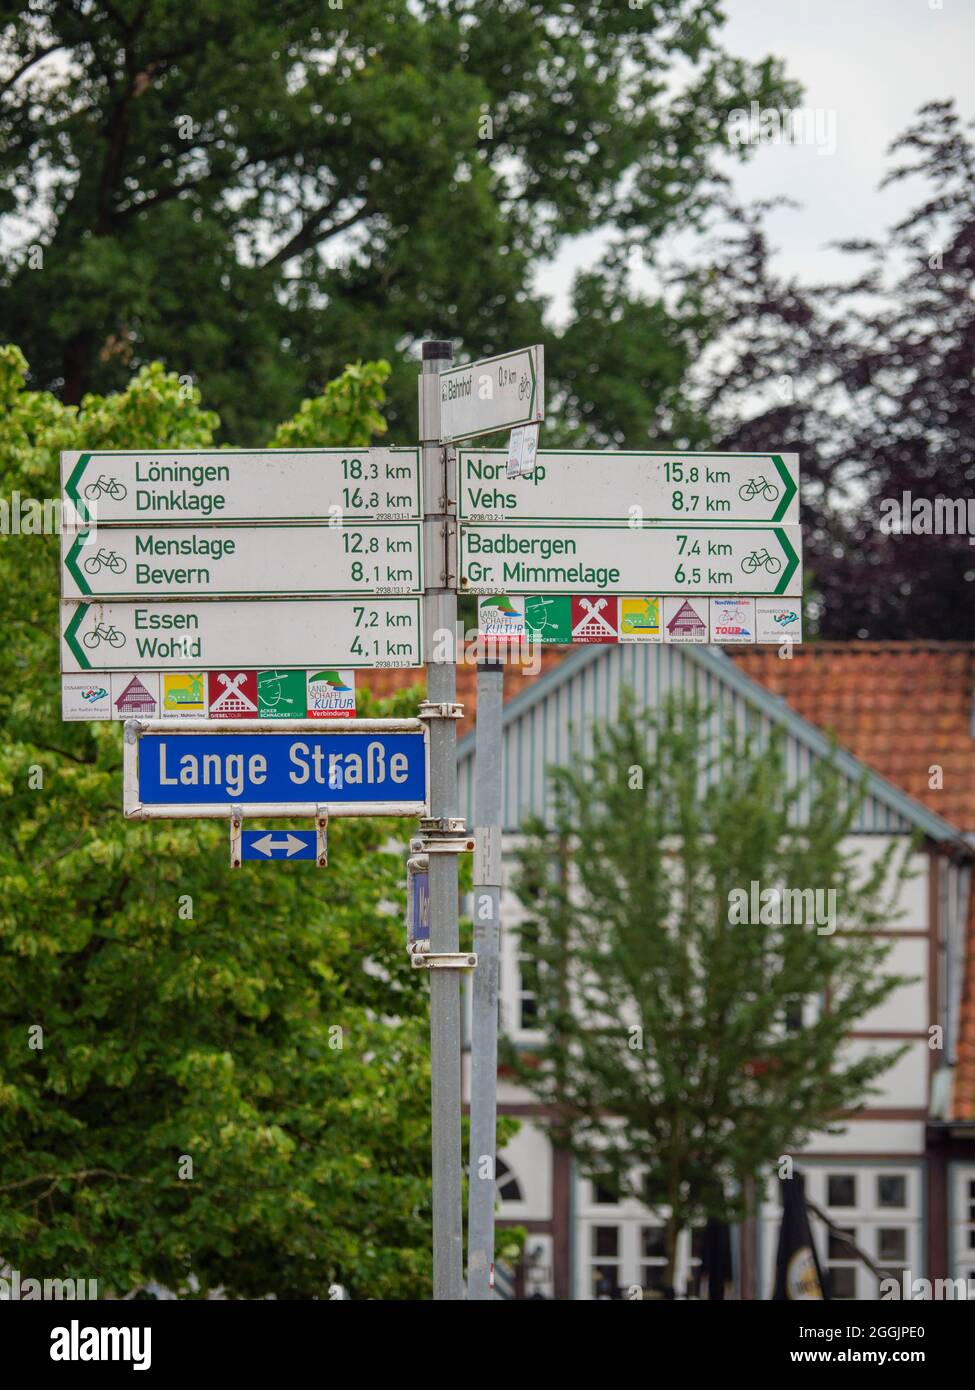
point(872, 63)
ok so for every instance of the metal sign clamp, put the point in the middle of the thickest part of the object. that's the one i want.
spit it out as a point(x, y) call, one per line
point(236, 836)
point(445, 836)
point(431, 709)
point(443, 960)
point(321, 826)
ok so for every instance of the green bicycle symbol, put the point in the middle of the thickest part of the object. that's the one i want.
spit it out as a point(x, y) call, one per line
point(758, 487)
point(761, 559)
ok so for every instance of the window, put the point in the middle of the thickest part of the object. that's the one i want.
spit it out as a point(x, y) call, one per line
point(892, 1245)
point(837, 1247)
point(528, 978)
point(605, 1269)
point(603, 1195)
point(653, 1260)
point(509, 1188)
point(892, 1190)
point(843, 1281)
point(841, 1190)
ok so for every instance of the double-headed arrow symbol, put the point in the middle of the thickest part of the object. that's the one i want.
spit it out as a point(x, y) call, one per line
point(267, 844)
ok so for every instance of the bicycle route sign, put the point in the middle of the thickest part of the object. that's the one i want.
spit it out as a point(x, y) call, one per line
point(584, 486)
point(205, 773)
point(621, 560)
point(223, 561)
point(207, 635)
point(496, 393)
point(180, 487)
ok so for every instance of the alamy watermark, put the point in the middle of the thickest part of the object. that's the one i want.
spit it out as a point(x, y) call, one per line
point(908, 515)
point(775, 907)
point(766, 125)
point(15, 1288)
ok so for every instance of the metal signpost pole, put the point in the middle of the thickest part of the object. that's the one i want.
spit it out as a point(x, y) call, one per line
point(439, 525)
point(487, 945)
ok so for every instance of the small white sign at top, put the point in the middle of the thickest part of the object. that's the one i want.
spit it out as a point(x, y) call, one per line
point(522, 448)
point(494, 394)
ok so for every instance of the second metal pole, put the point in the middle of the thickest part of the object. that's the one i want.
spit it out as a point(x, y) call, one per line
point(484, 1010)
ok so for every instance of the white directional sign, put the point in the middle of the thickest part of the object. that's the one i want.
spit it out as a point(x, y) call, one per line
point(585, 486)
point(224, 561)
point(186, 486)
point(614, 559)
point(214, 635)
point(496, 393)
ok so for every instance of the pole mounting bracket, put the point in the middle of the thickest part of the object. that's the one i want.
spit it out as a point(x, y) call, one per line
point(443, 960)
point(432, 709)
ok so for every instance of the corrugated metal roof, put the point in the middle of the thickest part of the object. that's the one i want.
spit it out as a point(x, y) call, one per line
point(550, 724)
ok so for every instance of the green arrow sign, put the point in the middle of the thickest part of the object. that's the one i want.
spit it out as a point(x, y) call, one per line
point(622, 560)
point(578, 485)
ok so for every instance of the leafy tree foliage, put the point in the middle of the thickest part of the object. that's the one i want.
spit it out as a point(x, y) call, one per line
point(871, 381)
point(674, 1066)
point(230, 1083)
point(258, 194)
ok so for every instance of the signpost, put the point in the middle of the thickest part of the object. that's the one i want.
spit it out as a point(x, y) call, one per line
point(216, 564)
point(553, 558)
point(585, 486)
point(225, 561)
point(208, 635)
point(191, 485)
point(363, 767)
point(496, 393)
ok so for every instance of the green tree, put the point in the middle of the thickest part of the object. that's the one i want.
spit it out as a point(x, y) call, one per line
point(675, 1064)
point(257, 194)
point(207, 1078)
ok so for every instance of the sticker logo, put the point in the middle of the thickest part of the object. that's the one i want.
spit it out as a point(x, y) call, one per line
point(548, 620)
point(233, 694)
point(683, 622)
point(331, 695)
point(732, 620)
point(281, 694)
point(640, 620)
point(594, 619)
point(83, 697)
point(501, 616)
point(184, 694)
point(778, 620)
point(135, 699)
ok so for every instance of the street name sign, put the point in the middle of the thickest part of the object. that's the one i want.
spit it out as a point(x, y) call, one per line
point(368, 767)
point(215, 635)
point(614, 559)
point(224, 561)
point(580, 485)
point(181, 487)
point(496, 393)
point(285, 844)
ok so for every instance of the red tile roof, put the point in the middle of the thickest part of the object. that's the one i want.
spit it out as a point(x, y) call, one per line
point(904, 709)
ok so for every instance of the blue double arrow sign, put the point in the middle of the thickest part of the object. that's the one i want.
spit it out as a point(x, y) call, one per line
point(278, 844)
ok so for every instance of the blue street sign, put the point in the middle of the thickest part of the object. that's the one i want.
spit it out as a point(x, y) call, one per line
point(278, 844)
point(419, 924)
point(277, 773)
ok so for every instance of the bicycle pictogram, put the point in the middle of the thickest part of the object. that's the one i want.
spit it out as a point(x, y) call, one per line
point(758, 487)
point(111, 487)
point(761, 559)
point(103, 632)
point(105, 559)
